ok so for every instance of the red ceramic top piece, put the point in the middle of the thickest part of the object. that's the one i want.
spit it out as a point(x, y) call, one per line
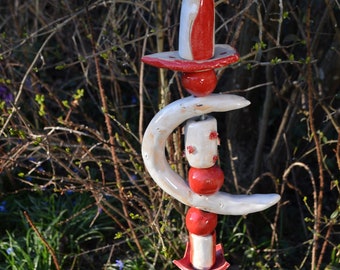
point(224, 56)
point(202, 32)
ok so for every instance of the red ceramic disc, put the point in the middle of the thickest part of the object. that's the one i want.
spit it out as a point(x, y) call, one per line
point(224, 56)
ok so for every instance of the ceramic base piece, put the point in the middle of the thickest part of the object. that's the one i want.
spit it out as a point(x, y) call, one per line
point(220, 262)
point(202, 253)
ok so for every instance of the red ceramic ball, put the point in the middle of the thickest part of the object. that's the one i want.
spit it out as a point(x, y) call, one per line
point(205, 181)
point(200, 83)
point(200, 222)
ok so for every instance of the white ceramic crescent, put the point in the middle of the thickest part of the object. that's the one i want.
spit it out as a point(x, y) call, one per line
point(153, 151)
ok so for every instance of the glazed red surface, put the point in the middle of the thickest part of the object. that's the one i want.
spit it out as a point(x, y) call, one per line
point(202, 32)
point(200, 222)
point(224, 56)
point(205, 181)
point(199, 84)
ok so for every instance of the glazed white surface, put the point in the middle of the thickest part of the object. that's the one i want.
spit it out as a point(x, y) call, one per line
point(189, 12)
point(197, 132)
point(202, 249)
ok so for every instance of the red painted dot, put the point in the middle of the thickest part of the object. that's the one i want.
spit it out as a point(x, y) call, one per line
point(200, 83)
point(215, 158)
point(213, 135)
point(205, 181)
point(200, 222)
point(191, 149)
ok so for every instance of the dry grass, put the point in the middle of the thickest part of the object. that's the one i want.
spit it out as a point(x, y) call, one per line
point(82, 99)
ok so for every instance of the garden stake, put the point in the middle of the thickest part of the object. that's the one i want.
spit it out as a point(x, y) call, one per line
point(197, 58)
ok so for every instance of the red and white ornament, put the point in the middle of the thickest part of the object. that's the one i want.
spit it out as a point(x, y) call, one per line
point(197, 58)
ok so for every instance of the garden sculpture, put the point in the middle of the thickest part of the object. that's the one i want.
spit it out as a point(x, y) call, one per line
point(197, 59)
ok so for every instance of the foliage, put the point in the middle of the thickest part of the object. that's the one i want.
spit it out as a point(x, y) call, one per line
point(75, 100)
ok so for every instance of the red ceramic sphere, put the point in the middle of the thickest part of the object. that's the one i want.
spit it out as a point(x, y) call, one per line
point(205, 181)
point(200, 222)
point(201, 83)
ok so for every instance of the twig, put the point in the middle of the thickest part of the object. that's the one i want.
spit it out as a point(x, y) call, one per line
point(324, 246)
point(21, 87)
point(232, 164)
point(246, 8)
point(289, 111)
point(160, 37)
point(249, 88)
point(49, 248)
point(263, 125)
point(258, 179)
point(141, 96)
point(112, 142)
point(319, 154)
point(266, 106)
point(280, 24)
point(338, 150)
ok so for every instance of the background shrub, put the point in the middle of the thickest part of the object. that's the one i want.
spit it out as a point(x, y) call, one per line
point(75, 101)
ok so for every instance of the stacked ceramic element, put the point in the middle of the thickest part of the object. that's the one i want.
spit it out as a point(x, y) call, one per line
point(197, 59)
point(205, 177)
